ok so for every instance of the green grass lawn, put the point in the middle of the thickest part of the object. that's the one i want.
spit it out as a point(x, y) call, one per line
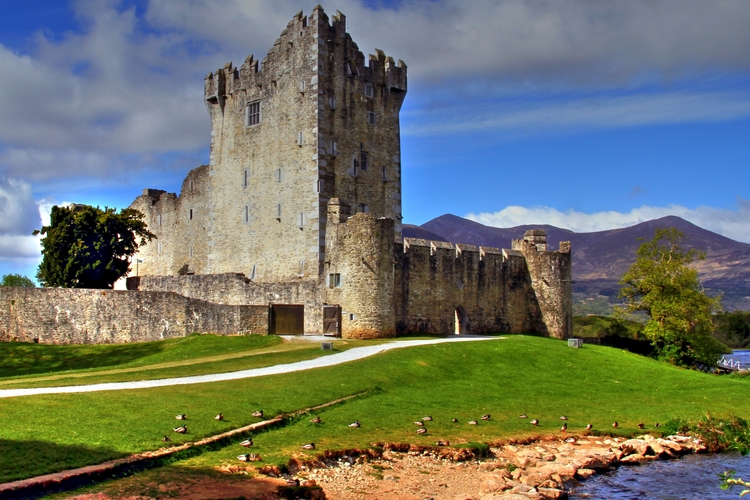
point(504, 377)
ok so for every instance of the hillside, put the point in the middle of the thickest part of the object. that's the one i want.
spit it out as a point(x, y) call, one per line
point(600, 258)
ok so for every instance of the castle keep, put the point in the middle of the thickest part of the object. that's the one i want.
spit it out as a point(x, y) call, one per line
point(295, 224)
point(299, 209)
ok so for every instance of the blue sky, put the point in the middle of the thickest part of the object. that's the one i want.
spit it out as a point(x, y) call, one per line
point(585, 115)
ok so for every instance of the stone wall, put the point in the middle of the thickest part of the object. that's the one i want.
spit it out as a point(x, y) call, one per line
point(237, 289)
point(83, 316)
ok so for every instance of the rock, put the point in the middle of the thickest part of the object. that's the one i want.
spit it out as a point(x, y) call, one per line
point(506, 496)
point(637, 446)
point(675, 447)
point(516, 474)
point(493, 485)
point(596, 461)
point(552, 493)
point(634, 459)
point(585, 473)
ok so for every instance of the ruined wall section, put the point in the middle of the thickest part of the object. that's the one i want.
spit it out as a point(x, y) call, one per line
point(359, 140)
point(82, 316)
point(550, 274)
point(263, 169)
point(359, 272)
point(180, 225)
point(237, 289)
point(445, 288)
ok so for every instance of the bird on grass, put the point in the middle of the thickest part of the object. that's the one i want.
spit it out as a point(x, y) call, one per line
point(428, 418)
point(181, 416)
point(293, 482)
point(641, 425)
point(308, 446)
point(563, 417)
point(657, 424)
point(355, 424)
point(486, 416)
point(523, 415)
point(615, 424)
point(534, 421)
point(249, 457)
point(589, 427)
point(165, 439)
point(257, 413)
point(315, 420)
point(473, 422)
point(421, 430)
point(564, 428)
point(419, 422)
point(219, 417)
point(181, 429)
point(247, 443)
point(571, 440)
point(455, 420)
point(442, 442)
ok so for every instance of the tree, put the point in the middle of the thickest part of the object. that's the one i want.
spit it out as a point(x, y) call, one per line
point(661, 284)
point(86, 247)
point(17, 280)
point(732, 328)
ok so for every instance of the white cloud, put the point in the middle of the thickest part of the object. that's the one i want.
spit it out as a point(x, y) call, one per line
point(18, 212)
point(734, 224)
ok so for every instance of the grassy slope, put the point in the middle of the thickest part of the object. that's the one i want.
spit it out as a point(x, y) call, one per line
point(541, 377)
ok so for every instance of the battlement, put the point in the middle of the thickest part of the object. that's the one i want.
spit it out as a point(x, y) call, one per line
point(313, 32)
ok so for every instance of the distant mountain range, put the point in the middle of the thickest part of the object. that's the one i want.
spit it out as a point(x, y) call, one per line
point(600, 258)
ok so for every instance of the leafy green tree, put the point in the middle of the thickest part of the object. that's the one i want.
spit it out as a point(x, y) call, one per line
point(661, 284)
point(17, 280)
point(732, 328)
point(86, 247)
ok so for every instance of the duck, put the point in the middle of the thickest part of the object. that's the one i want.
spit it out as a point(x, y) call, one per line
point(308, 446)
point(419, 422)
point(486, 416)
point(523, 415)
point(181, 416)
point(589, 427)
point(442, 442)
point(428, 418)
point(254, 457)
point(181, 429)
point(247, 443)
point(219, 417)
point(165, 439)
point(315, 420)
point(309, 483)
point(257, 413)
point(657, 424)
point(244, 458)
point(355, 424)
point(455, 420)
point(571, 440)
point(473, 422)
point(293, 482)
point(641, 425)
point(534, 421)
point(615, 424)
point(421, 430)
point(564, 428)
point(563, 417)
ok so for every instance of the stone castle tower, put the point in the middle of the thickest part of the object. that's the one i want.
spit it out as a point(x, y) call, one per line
point(314, 120)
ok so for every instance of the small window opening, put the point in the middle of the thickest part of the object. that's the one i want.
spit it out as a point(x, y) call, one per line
point(160, 219)
point(334, 280)
point(245, 178)
point(191, 214)
point(159, 247)
point(302, 87)
point(190, 251)
point(352, 316)
point(301, 268)
point(300, 220)
point(369, 91)
point(252, 273)
point(277, 175)
point(332, 102)
point(253, 113)
point(384, 171)
point(355, 166)
point(319, 186)
point(247, 214)
point(191, 185)
point(363, 160)
point(371, 118)
point(334, 148)
point(278, 211)
point(300, 138)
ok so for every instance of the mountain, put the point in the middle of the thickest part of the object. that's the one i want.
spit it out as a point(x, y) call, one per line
point(601, 257)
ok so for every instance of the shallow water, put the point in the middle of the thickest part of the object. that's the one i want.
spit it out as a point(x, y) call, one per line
point(741, 355)
point(692, 477)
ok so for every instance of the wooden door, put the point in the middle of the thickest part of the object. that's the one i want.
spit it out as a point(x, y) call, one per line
point(332, 320)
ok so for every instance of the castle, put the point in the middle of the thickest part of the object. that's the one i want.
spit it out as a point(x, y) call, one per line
point(299, 209)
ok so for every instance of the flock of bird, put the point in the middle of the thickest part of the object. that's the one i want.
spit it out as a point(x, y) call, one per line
point(421, 429)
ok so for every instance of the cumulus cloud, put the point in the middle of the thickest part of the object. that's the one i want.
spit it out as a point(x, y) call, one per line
point(19, 214)
point(734, 224)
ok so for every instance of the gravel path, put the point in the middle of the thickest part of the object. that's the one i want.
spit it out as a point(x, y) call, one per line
point(331, 360)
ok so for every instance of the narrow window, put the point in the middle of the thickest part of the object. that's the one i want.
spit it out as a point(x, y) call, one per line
point(253, 113)
point(352, 316)
point(247, 214)
point(332, 102)
point(245, 178)
point(319, 186)
point(252, 273)
point(364, 208)
point(371, 118)
point(363, 160)
point(159, 247)
point(384, 171)
point(278, 175)
point(160, 219)
point(355, 166)
point(302, 87)
point(300, 220)
point(190, 216)
point(369, 91)
point(278, 211)
point(334, 148)
point(190, 251)
point(300, 138)
point(334, 280)
point(301, 268)
point(191, 185)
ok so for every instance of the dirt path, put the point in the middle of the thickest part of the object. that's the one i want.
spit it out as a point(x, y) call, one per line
point(324, 361)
